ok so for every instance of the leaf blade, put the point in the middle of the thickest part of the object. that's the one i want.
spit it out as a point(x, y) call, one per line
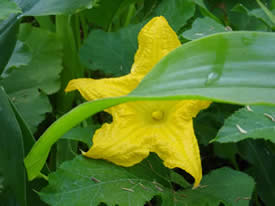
point(89, 181)
point(12, 152)
point(151, 89)
point(255, 122)
point(235, 189)
point(213, 67)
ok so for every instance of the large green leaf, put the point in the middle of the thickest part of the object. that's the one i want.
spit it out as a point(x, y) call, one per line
point(85, 181)
point(53, 7)
point(227, 186)
point(11, 154)
point(262, 158)
point(28, 140)
point(233, 67)
point(213, 67)
point(8, 7)
point(8, 37)
point(250, 122)
point(8, 28)
point(119, 47)
point(28, 85)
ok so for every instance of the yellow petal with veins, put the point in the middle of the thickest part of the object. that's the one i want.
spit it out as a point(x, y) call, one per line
point(155, 40)
point(189, 109)
point(138, 128)
point(92, 89)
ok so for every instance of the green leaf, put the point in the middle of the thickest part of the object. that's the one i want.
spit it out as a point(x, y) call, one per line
point(179, 179)
point(208, 68)
point(82, 134)
point(21, 56)
point(28, 140)
point(110, 9)
point(54, 7)
point(177, 12)
point(203, 27)
point(267, 11)
point(8, 28)
point(227, 151)
point(263, 160)
point(29, 85)
point(209, 121)
point(8, 37)
point(223, 185)
point(204, 10)
point(11, 154)
point(8, 7)
point(85, 181)
point(257, 13)
point(101, 45)
point(250, 122)
point(213, 67)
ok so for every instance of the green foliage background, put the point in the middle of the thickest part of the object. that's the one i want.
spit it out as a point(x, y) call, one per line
point(227, 56)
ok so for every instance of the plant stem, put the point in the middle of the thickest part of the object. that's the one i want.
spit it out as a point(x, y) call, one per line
point(72, 68)
point(84, 26)
point(130, 14)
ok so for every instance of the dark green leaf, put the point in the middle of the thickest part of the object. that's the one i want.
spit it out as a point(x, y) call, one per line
point(28, 139)
point(8, 37)
point(53, 7)
point(21, 56)
point(257, 13)
point(203, 27)
point(8, 28)
point(65, 150)
point(118, 47)
point(263, 160)
point(270, 15)
point(11, 154)
point(27, 85)
point(179, 179)
point(110, 9)
point(85, 181)
point(82, 134)
point(227, 151)
point(177, 12)
point(250, 122)
point(204, 10)
point(209, 121)
point(227, 186)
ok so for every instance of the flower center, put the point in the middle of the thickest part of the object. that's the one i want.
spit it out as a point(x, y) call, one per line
point(157, 115)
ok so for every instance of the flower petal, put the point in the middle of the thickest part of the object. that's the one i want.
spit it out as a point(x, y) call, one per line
point(92, 89)
point(188, 109)
point(155, 40)
point(177, 146)
point(119, 142)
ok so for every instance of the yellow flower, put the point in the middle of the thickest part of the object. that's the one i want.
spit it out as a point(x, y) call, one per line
point(138, 128)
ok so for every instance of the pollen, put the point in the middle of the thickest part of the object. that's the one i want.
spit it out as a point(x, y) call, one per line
point(157, 115)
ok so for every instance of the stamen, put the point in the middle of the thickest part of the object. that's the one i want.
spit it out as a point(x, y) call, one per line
point(157, 115)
